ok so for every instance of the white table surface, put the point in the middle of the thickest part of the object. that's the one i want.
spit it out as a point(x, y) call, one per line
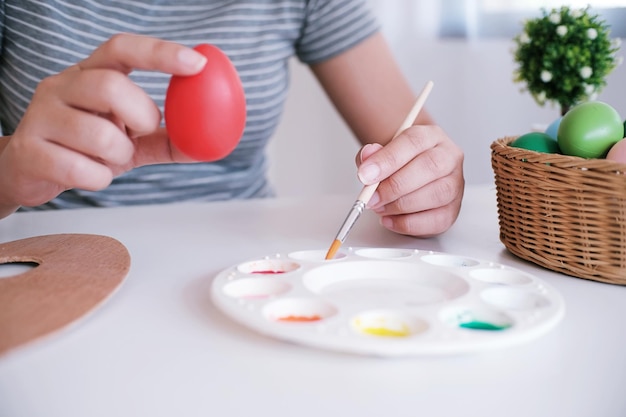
point(159, 347)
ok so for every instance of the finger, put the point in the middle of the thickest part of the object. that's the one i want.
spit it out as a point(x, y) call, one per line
point(397, 153)
point(125, 52)
point(425, 223)
point(91, 135)
point(93, 132)
point(56, 164)
point(110, 93)
point(429, 166)
point(156, 148)
point(436, 194)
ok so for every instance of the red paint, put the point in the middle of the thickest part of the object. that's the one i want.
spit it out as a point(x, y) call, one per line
point(299, 318)
point(205, 113)
point(268, 271)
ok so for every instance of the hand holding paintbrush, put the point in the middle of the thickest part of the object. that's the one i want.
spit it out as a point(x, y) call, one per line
point(368, 190)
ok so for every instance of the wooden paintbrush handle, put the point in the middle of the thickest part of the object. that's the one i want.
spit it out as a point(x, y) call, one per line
point(368, 191)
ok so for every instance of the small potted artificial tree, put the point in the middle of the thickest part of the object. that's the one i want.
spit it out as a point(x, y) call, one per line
point(564, 56)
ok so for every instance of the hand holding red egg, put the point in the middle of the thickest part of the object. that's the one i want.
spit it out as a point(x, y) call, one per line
point(91, 122)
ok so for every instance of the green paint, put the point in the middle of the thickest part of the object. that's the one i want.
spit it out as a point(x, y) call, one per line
point(482, 325)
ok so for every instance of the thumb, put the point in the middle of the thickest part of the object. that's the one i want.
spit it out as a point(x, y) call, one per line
point(367, 151)
point(156, 148)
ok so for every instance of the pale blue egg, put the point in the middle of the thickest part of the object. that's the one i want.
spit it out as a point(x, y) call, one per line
point(553, 128)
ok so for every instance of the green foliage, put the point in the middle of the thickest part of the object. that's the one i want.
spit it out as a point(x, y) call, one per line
point(564, 56)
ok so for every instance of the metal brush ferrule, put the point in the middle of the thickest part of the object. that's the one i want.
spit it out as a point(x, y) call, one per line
point(351, 219)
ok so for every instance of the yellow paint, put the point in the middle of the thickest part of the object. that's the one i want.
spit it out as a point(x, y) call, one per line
point(383, 327)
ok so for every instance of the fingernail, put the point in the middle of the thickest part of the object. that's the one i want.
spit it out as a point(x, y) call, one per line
point(361, 152)
point(192, 58)
point(374, 201)
point(368, 173)
point(369, 149)
point(386, 222)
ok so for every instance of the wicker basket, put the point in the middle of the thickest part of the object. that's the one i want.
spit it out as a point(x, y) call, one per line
point(565, 213)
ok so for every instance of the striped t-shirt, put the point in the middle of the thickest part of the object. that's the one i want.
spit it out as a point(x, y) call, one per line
point(39, 38)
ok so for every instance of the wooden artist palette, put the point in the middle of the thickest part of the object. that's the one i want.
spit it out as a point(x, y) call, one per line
point(72, 275)
point(388, 302)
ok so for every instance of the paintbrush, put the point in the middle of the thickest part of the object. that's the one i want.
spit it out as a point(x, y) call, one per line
point(368, 190)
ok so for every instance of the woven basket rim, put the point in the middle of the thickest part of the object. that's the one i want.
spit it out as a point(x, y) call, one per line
point(501, 148)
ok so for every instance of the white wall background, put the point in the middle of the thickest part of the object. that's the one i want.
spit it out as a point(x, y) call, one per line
point(474, 99)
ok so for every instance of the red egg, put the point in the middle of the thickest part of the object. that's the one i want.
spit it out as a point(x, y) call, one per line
point(205, 113)
point(617, 153)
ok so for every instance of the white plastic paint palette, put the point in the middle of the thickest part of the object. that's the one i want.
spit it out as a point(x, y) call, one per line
point(388, 302)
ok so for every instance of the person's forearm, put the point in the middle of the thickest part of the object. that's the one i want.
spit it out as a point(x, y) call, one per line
point(4, 141)
point(369, 90)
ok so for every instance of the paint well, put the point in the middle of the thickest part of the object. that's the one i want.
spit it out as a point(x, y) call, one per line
point(255, 288)
point(482, 325)
point(477, 318)
point(500, 276)
point(384, 253)
point(299, 318)
point(268, 266)
point(449, 260)
point(387, 323)
point(383, 329)
point(511, 298)
point(298, 310)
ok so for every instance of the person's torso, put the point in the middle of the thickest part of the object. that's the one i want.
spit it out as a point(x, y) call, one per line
point(41, 38)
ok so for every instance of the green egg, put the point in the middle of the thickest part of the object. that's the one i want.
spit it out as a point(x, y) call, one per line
point(536, 141)
point(589, 130)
